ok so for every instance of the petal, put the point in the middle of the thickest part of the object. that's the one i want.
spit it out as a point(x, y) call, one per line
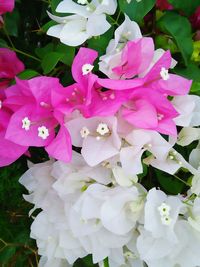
point(9, 151)
point(97, 25)
point(84, 56)
point(68, 6)
point(61, 148)
point(77, 36)
point(20, 136)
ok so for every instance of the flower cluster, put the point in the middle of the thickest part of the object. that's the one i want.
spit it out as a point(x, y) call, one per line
point(125, 112)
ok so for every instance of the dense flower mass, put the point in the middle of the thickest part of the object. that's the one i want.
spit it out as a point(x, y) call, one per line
point(124, 113)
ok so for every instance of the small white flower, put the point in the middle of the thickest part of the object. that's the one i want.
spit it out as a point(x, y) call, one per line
point(1, 103)
point(82, 2)
point(166, 220)
point(164, 74)
point(43, 132)
point(84, 132)
point(87, 68)
point(164, 209)
point(102, 129)
point(26, 123)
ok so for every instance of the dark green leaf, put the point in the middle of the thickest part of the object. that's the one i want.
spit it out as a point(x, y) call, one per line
point(136, 10)
point(180, 29)
point(68, 53)
point(27, 74)
point(169, 184)
point(192, 71)
point(187, 6)
point(100, 43)
point(50, 60)
point(11, 23)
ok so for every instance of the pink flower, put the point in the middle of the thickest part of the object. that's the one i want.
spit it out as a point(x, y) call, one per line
point(163, 5)
point(86, 94)
point(195, 19)
point(149, 109)
point(10, 66)
point(6, 6)
point(34, 122)
point(9, 151)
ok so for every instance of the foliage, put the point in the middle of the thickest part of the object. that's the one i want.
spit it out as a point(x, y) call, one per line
point(24, 31)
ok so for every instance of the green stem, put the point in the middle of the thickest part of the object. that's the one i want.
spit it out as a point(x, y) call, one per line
point(8, 37)
point(182, 180)
point(24, 53)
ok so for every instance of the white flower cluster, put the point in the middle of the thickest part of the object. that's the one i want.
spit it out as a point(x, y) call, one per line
point(85, 211)
point(88, 20)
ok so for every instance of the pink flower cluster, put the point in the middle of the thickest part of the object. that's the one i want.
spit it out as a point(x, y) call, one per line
point(6, 6)
point(35, 112)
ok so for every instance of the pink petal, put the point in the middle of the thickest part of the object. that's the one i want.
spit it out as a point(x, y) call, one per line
point(175, 85)
point(120, 84)
point(61, 148)
point(39, 118)
point(6, 6)
point(9, 151)
point(143, 116)
point(84, 56)
point(10, 65)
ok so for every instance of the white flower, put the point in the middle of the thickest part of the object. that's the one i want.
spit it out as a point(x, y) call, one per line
point(97, 147)
point(88, 20)
point(122, 178)
point(26, 123)
point(140, 141)
point(128, 30)
point(87, 68)
point(161, 223)
point(194, 218)
point(164, 74)
point(43, 132)
point(187, 135)
point(103, 129)
point(84, 132)
point(188, 107)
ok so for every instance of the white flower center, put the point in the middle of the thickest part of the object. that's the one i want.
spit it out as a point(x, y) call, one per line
point(26, 123)
point(82, 2)
point(87, 68)
point(102, 129)
point(129, 255)
point(164, 209)
point(43, 132)
point(84, 132)
point(166, 220)
point(164, 74)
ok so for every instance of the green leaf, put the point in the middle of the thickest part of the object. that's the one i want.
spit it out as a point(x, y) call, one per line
point(180, 29)
point(27, 74)
point(187, 6)
point(170, 184)
point(42, 51)
point(100, 43)
point(3, 43)
point(11, 23)
point(190, 72)
point(136, 10)
point(6, 254)
point(195, 89)
point(50, 60)
point(68, 53)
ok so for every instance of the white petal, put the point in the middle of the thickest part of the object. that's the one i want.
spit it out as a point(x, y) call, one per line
point(74, 37)
point(68, 6)
point(97, 25)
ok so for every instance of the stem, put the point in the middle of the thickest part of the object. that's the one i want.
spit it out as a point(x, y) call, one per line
point(8, 37)
point(24, 53)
